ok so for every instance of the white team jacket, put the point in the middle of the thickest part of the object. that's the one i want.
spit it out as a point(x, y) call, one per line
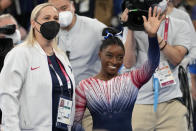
point(26, 89)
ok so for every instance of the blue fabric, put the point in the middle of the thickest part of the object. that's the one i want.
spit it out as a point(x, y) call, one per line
point(192, 68)
point(193, 13)
point(117, 7)
point(28, 5)
point(153, 48)
point(107, 121)
point(56, 89)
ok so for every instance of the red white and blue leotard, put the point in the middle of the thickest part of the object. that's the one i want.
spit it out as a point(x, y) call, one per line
point(111, 102)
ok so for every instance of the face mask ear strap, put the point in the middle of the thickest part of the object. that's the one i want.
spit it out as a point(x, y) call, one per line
point(37, 22)
point(35, 26)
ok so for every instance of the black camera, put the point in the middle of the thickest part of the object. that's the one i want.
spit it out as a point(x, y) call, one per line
point(137, 9)
point(6, 44)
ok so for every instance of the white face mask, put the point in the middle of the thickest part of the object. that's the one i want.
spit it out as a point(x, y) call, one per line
point(65, 18)
point(16, 37)
point(162, 5)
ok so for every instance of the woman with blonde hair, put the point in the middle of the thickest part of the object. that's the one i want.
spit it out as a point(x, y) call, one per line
point(35, 77)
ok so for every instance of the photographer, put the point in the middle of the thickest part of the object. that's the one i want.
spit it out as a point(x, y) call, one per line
point(169, 114)
point(9, 35)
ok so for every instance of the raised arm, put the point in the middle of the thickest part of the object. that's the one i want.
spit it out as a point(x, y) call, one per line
point(142, 75)
point(130, 57)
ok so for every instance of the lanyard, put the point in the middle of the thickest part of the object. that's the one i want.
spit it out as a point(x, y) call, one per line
point(58, 77)
point(166, 28)
point(65, 74)
point(156, 92)
point(155, 80)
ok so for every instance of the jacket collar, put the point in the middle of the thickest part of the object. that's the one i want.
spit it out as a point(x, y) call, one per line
point(58, 55)
point(37, 45)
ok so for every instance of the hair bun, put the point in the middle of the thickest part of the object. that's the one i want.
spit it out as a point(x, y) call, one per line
point(110, 30)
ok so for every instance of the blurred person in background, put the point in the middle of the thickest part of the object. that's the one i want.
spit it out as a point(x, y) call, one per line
point(7, 38)
point(10, 35)
point(20, 9)
point(8, 19)
point(4, 4)
point(85, 7)
point(35, 77)
point(104, 11)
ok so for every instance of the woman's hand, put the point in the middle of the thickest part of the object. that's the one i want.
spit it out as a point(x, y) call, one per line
point(154, 20)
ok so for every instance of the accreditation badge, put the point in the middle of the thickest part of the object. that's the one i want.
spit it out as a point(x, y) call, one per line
point(64, 112)
point(164, 75)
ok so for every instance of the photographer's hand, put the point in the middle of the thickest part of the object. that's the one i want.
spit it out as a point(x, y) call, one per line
point(154, 20)
point(124, 16)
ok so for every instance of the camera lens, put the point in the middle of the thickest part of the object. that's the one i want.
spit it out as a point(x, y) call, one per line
point(138, 20)
point(135, 17)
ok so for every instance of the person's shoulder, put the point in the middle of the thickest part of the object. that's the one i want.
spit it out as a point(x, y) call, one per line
point(87, 19)
point(181, 12)
point(87, 81)
point(177, 21)
point(90, 21)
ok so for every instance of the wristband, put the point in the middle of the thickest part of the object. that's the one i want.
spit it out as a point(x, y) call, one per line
point(161, 42)
point(164, 45)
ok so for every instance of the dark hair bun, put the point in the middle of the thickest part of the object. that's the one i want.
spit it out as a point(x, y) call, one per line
point(110, 30)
